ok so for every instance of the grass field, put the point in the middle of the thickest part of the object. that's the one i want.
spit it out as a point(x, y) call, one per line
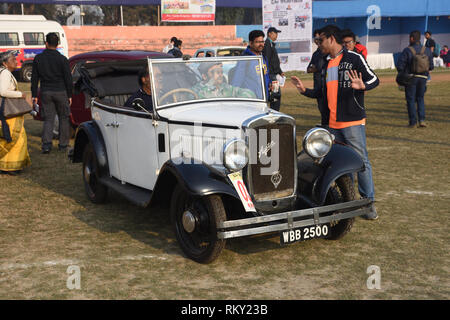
point(124, 252)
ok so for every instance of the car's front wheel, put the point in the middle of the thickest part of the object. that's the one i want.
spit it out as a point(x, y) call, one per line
point(342, 190)
point(195, 221)
point(95, 190)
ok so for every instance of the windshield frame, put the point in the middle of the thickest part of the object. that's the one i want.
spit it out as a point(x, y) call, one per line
point(152, 62)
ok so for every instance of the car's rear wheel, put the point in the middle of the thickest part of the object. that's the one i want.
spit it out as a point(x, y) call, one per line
point(195, 221)
point(342, 190)
point(95, 190)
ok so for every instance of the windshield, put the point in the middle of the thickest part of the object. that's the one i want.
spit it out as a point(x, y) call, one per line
point(176, 81)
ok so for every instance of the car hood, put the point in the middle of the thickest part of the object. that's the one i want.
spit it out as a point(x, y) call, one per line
point(215, 113)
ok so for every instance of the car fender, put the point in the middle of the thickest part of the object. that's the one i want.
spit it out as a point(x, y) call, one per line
point(197, 179)
point(316, 177)
point(89, 132)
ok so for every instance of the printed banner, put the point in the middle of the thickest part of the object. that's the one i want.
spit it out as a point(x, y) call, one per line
point(294, 19)
point(188, 10)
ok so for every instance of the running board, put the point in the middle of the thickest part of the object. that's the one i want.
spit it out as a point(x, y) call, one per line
point(136, 195)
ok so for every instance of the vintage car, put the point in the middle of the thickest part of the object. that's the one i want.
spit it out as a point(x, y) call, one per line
point(212, 150)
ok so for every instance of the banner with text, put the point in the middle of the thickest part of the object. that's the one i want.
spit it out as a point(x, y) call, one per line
point(188, 10)
point(294, 19)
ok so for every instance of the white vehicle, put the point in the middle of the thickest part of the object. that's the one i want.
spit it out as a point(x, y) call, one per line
point(219, 51)
point(214, 152)
point(26, 33)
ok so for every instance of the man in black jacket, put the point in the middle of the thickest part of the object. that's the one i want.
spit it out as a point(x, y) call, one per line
point(51, 69)
point(273, 62)
point(345, 76)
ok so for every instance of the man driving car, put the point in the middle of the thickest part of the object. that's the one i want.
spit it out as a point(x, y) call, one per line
point(144, 92)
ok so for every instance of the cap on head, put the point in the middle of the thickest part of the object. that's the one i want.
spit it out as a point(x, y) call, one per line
point(272, 29)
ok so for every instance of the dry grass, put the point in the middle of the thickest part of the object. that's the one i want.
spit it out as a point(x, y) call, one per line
point(124, 252)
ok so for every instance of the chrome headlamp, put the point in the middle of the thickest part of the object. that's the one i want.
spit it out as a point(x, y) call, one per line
point(235, 155)
point(317, 142)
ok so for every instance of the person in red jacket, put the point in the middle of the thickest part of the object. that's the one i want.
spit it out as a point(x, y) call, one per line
point(350, 43)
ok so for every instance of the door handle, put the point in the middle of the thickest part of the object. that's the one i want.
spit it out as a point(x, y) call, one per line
point(113, 124)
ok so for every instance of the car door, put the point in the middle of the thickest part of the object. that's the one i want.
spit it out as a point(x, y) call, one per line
point(136, 147)
point(105, 117)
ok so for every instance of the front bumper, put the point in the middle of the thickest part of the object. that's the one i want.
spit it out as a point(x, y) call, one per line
point(293, 219)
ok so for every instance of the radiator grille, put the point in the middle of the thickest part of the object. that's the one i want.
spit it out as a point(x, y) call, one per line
point(272, 176)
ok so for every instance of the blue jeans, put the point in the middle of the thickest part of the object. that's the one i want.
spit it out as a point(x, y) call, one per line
point(415, 93)
point(355, 137)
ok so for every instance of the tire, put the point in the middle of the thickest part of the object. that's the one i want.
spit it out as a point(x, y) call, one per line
point(342, 190)
point(95, 190)
point(201, 243)
point(25, 72)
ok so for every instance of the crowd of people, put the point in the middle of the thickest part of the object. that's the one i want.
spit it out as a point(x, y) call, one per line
point(340, 71)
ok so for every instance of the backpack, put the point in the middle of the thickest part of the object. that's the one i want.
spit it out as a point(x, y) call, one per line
point(420, 61)
point(437, 50)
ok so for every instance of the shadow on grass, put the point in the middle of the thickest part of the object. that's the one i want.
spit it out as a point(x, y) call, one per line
point(55, 173)
point(150, 226)
point(254, 244)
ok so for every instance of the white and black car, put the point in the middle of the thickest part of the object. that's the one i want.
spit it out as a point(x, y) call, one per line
point(226, 164)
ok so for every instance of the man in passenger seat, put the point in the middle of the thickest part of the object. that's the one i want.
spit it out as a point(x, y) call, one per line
point(144, 92)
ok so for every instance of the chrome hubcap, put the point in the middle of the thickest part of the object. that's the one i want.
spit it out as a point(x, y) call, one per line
point(188, 221)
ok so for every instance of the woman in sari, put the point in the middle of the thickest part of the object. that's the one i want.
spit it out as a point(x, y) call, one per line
point(13, 153)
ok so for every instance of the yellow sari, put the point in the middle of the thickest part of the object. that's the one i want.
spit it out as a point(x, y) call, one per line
point(14, 155)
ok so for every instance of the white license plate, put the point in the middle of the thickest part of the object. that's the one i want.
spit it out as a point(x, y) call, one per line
point(238, 183)
point(304, 233)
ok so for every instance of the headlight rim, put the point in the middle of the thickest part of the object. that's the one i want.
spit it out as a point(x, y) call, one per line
point(226, 146)
point(308, 135)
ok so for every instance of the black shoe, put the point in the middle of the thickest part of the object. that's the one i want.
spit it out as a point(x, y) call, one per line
point(372, 215)
point(62, 148)
point(12, 173)
point(45, 151)
point(411, 125)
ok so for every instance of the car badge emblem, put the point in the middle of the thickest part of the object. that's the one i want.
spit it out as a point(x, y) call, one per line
point(265, 149)
point(276, 179)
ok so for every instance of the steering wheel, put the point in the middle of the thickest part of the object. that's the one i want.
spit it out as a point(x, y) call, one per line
point(172, 93)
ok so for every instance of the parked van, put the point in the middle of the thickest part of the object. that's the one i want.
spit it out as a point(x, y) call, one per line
point(26, 33)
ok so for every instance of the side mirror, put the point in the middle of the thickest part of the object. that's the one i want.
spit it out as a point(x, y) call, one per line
point(139, 105)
